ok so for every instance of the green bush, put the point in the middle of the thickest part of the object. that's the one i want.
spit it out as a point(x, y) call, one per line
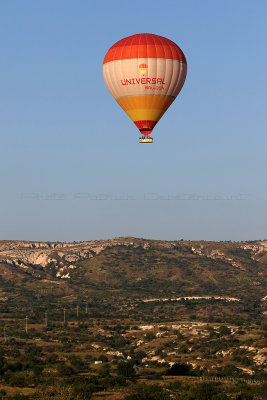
point(224, 330)
point(148, 392)
point(206, 391)
point(178, 369)
point(17, 397)
point(65, 370)
point(83, 391)
point(126, 368)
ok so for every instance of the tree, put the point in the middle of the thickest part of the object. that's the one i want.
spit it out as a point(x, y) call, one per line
point(150, 336)
point(179, 369)
point(224, 330)
point(206, 391)
point(244, 396)
point(76, 362)
point(126, 368)
point(65, 370)
point(148, 392)
point(56, 392)
point(82, 391)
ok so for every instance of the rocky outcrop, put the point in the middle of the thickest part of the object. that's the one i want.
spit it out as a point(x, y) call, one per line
point(61, 256)
point(32, 255)
point(256, 250)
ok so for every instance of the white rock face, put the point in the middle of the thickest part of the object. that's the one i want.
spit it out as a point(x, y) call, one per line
point(258, 249)
point(116, 353)
point(41, 254)
point(39, 259)
point(146, 327)
point(66, 276)
point(260, 357)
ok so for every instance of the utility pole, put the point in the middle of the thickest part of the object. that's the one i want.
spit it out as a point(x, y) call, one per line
point(64, 310)
point(77, 311)
point(26, 325)
point(5, 334)
point(46, 323)
point(86, 308)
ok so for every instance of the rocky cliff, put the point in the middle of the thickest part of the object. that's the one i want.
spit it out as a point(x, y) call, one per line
point(36, 256)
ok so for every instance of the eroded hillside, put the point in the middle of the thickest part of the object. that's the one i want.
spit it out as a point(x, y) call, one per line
point(148, 267)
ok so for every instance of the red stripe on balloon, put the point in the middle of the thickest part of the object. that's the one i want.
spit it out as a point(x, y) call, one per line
point(144, 45)
point(145, 126)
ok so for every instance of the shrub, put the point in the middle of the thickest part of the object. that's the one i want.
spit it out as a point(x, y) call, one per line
point(65, 370)
point(179, 369)
point(206, 391)
point(148, 392)
point(126, 368)
point(82, 391)
point(224, 330)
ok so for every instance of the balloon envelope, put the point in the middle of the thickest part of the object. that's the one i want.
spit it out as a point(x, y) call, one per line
point(144, 73)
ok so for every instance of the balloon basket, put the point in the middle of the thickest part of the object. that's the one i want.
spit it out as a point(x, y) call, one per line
point(145, 139)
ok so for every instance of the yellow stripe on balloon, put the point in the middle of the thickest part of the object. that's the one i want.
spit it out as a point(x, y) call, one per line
point(145, 114)
point(148, 102)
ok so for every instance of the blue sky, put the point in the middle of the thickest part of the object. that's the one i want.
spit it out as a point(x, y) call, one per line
point(71, 164)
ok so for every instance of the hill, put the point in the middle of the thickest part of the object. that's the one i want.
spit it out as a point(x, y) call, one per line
point(150, 271)
point(142, 266)
point(168, 312)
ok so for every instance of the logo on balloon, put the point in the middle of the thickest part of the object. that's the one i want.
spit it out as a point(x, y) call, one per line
point(143, 68)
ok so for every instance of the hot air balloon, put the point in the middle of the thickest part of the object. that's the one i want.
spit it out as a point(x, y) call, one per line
point(144, 73)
